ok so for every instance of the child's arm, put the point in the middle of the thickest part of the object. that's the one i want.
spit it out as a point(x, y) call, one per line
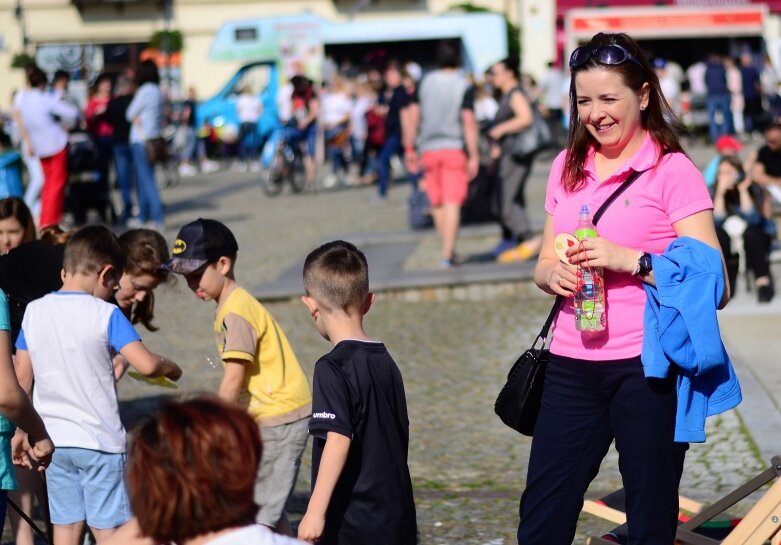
point(232, 381)
point(337, 446)
point(16, 405)
point(149, 364)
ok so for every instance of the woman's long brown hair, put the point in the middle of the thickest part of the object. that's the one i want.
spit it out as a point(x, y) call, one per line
point(658, 118)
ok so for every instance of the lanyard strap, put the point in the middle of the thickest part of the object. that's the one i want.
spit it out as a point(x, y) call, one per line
point(559, 298)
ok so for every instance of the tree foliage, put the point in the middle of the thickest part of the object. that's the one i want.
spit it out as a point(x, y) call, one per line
point(168, 41)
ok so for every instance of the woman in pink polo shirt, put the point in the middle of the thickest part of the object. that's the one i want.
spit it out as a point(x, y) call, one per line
point(595, 390)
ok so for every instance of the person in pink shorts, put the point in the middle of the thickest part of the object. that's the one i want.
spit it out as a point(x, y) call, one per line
point(444, 121)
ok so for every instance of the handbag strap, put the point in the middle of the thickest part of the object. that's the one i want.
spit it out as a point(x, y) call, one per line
point(559, 298)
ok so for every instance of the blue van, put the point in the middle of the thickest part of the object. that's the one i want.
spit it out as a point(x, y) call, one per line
point(220, 110)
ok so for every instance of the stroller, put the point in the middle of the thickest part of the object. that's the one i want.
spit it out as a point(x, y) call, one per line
point(88, 185)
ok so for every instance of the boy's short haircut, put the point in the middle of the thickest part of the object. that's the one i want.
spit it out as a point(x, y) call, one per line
point(337, 274)
point(90, 249)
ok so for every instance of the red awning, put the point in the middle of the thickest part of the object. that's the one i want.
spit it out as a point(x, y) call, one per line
point(667, 21)
point(563, 6)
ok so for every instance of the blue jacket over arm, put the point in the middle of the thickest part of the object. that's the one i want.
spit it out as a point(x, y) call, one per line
point(681, 334)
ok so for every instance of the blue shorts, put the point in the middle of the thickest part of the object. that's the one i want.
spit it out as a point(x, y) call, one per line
point(88, 485)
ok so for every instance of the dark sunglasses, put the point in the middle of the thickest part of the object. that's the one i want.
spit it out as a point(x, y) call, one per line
point(609, 55)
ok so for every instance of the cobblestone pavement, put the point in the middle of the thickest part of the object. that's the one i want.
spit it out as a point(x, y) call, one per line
point(468, 469)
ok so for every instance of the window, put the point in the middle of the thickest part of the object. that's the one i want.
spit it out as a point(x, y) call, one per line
point(256, 78)
point(246, 34)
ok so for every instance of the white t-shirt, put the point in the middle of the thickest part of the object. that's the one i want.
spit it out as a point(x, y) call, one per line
point(254, 534)
point(696, 75)
point(551, 87)
point(248, 108)
point(361, 105)
point(70, 337)
point(335, 108)
point(284, 106)
point(39, 111)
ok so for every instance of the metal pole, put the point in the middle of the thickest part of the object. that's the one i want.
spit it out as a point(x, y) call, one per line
point(19, 16)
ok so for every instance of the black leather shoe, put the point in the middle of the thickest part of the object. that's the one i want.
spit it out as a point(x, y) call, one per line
point(765, 293)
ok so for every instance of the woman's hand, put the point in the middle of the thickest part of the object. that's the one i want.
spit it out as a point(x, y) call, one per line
point(744, 184)
point(496, 133)
point(562, 279)
point(599, 252)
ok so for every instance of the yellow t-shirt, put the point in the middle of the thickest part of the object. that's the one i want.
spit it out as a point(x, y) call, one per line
point(275, 390)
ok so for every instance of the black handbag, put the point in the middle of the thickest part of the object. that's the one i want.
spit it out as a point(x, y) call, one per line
point(532, 140)
point(157, 150)
point(518, 403)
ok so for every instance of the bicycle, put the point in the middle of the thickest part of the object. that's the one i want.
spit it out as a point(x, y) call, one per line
point(287, 165)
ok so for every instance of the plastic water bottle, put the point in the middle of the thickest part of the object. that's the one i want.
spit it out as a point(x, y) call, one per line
point(590, 296)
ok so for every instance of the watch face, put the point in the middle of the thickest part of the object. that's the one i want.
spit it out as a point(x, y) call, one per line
point(646, 265)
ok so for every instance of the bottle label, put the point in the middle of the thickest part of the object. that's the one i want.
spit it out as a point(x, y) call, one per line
point(582, 234)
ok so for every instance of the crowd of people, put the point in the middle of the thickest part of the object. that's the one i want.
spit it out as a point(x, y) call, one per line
point(220, 471)
point(118, 126)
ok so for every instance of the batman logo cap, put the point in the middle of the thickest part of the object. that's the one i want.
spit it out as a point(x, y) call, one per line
point(200, 242)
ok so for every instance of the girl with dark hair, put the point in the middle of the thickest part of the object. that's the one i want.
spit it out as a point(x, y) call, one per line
point(187, 480)
point(16, 224)
point(145, 253)
point(595, 387)
point(145, 113)
point(744, 213)
point(513, 116)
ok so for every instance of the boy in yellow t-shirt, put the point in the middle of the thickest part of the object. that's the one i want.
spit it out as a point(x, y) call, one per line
point(262, 373)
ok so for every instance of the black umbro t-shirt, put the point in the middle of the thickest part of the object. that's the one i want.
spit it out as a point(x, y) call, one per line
point(359, 393)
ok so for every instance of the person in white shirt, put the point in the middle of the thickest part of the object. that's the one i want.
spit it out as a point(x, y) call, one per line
point(41, 115)
point(550, 86)
point(335, 111)
point(671, 89)
point(186, 478)
point(65, 350)
point(249, 110)
point(32, 194)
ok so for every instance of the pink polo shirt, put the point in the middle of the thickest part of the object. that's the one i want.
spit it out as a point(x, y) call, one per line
point(642, 218)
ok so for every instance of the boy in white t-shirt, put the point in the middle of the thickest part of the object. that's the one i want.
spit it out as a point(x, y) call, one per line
point(248, 109)
point(66, 344)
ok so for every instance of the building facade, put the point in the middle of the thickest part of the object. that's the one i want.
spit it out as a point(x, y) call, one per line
point(107, 33)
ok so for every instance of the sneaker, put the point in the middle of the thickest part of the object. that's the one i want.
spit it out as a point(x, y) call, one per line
point(186, 169)
point(254, 166)
point(765, 293)
point(209, 166)
point(503, 246)
point(524, 251)
point(330, 180)
point(449, 263)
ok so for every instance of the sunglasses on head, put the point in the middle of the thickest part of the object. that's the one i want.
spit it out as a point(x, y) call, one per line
point(609, 55)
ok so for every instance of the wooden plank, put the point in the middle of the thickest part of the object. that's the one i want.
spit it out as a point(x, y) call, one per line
point(762, 522)
point(603, 511)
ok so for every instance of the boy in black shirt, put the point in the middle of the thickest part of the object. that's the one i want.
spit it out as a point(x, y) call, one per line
point(361, 487)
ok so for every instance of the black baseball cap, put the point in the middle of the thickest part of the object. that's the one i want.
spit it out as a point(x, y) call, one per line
point(200, 242)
